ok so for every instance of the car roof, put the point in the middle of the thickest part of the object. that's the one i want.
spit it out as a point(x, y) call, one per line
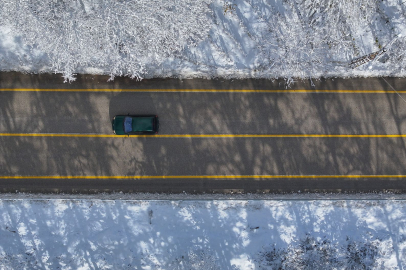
point(142, 123)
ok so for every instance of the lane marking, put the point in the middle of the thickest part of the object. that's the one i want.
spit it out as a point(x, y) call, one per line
point(62, 135)
point(198, 176)
point(206, 90)
point(205, 135)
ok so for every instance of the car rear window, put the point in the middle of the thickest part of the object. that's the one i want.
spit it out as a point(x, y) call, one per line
point(142, 124)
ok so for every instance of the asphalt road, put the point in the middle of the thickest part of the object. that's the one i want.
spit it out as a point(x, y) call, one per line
point(202, 164)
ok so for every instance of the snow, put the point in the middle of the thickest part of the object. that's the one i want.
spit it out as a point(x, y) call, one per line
point(81, 232)
point(203, 38)
point(189, 39)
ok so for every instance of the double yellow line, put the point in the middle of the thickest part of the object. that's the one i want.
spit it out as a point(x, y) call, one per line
point(201, 176)
point(205, 135)
point(206, 90)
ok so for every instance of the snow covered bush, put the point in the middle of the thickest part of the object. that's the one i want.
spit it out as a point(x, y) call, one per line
point(313, 254)
point(196, 259)
point(307, 38)
point(360, 255)
point(119, 36)
point(273, 258)
point(396, 56)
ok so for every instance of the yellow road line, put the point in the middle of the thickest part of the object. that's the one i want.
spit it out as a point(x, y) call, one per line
point(61, 135)
point(205, 90)
point(205, 135)
point(198, 176)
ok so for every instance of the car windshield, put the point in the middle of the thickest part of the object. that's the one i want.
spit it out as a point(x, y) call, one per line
point(128, 124)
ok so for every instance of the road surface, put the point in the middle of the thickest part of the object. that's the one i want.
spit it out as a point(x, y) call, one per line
point(215, 135)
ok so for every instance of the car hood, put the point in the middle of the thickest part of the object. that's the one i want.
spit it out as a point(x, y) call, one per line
point(118, 125)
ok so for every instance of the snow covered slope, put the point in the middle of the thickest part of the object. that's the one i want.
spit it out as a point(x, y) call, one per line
point(203, 38)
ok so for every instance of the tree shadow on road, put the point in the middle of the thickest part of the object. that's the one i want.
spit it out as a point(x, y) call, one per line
point(206, 113)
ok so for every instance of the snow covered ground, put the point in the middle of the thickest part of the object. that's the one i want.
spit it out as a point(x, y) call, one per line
point(203, 38)
point(292, 233)
point(181, 231)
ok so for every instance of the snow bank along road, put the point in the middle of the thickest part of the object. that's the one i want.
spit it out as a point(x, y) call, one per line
point(216, 136)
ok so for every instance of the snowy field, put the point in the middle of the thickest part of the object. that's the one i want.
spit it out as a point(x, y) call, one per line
point(90, 233)
point(204, 38)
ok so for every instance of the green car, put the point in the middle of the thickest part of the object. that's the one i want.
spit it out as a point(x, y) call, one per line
point(135, 124)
